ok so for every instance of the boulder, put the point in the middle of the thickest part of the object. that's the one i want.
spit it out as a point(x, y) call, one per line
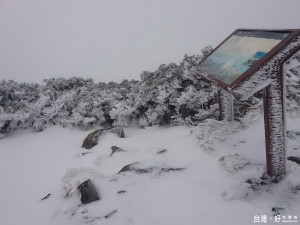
point(88, 192)
point(128, 167)
point(92, 139)
point(115, 149)
point(294, 159)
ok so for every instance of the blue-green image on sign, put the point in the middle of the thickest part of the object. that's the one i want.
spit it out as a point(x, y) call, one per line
point(237, 54)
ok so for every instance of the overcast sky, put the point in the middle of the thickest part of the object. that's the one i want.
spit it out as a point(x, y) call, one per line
point(117, 39)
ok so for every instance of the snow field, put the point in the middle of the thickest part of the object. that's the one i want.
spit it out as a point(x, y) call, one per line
point(208, 191)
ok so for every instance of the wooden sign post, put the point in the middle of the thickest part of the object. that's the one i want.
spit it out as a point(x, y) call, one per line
point(225, 105)
point(247, 62)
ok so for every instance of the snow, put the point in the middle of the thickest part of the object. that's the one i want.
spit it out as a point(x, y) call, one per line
point(206, 191)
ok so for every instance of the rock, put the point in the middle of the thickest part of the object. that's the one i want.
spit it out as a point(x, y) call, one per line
point(135, 168)
point(128, 167)
point(263, 183)
point(293, 134)
point(74, 177)
point(140, 169)
point(162, 151)
point(115, 149)
point(92, 139)
point(84, 211)
point(157, 151)
point(294, 159)
point(47, 196)
point(118, 130)
point(276, 180)
point(166, 170)
point(108, 215)
point(3, 133)
point(88, 192)
point(277, 210)
point(295, 189)
point(144, 170)
point(85, 153)
point(249, 181)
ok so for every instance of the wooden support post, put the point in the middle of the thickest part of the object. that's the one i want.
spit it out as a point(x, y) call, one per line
point(225, 105)
point(275, 128)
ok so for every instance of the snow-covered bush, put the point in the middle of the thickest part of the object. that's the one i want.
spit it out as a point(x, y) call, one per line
point(172, 94)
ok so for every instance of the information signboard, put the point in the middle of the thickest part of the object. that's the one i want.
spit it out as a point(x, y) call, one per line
point(239, 52)
point(249, 61)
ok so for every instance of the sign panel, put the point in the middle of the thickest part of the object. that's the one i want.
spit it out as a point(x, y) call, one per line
point(238, 53)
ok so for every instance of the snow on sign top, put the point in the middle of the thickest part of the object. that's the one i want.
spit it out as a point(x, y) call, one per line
point(242, 53)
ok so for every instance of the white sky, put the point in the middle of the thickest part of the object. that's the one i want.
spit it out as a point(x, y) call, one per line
point(117, 39)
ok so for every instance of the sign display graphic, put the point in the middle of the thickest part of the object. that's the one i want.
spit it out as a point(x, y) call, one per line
point(240, 52)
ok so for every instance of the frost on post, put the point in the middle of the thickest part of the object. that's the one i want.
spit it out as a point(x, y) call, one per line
point(275, 127)
point(225, 105)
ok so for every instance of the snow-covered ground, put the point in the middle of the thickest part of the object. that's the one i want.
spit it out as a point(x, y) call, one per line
point(209, 174)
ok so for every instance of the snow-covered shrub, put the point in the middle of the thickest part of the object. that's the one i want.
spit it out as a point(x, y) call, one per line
point(122, 113)
point(172, 94)
point(233, 163)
